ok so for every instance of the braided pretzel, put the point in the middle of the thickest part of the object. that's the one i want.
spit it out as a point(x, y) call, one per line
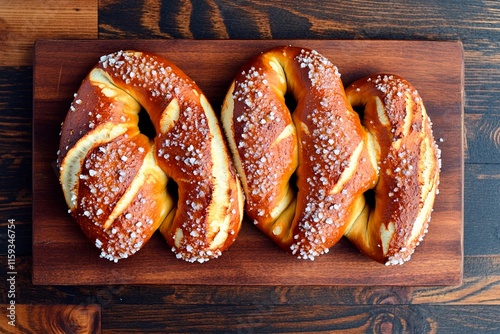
point(334, 158)
point(114, 178)
point(409, 163)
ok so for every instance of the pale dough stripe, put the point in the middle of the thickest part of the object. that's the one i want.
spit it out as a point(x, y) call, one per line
point(132, 190)
point(73, 161)
point(349, 171)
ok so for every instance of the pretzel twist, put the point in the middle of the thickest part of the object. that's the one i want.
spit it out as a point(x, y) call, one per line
point(409, 163)
point(114, 178)
point(334, 159)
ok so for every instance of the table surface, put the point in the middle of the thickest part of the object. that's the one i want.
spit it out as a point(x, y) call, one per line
point(472, 306)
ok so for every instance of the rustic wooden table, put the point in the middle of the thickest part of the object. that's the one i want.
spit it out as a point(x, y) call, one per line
point(469, 306)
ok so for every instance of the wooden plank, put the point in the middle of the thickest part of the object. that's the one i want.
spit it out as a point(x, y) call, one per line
point(144, 19)
point(261, 19)
point(62, 256)
point(27, 318)
point(482, 138)
point(17, 111)
point(482, 184)
point(481, 285)
point(22, 22)
point(256, 318)
point(16, 155)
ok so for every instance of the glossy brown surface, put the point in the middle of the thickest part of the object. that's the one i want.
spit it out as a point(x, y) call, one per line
point(114, 178)
point(334, 158)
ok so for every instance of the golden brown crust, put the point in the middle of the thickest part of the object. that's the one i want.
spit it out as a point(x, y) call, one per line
point(324, 145)
point(409, 163)
point(114, 178)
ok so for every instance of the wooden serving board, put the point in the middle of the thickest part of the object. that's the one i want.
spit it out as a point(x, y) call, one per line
point(63, 256)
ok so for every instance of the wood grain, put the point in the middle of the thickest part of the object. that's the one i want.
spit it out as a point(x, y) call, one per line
point(480, 287)
point(482, 184)
point(482, 138)
point(471, 307)
point(260, 19)
point(255, 318)
point(22, 22)
point(63, 256)
point(16, 155)
point(74, 319)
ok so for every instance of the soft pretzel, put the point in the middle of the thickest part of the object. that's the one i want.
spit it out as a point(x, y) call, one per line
point(409, 163)
point(322, 145)
point(114, 178)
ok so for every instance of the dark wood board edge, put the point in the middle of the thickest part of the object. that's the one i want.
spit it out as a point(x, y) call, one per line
point(453, 280)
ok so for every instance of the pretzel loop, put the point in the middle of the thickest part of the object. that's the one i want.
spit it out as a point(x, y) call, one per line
point(306, 172)
point(114, 178)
